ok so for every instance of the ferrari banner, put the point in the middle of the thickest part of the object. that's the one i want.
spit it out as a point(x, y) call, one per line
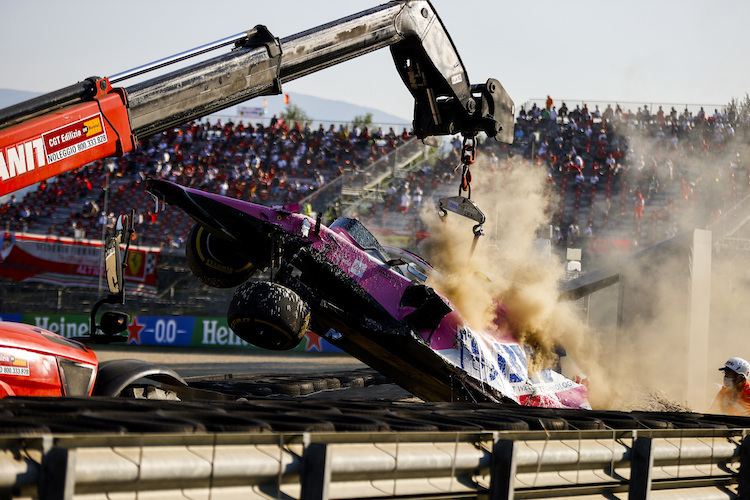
point(69, 262)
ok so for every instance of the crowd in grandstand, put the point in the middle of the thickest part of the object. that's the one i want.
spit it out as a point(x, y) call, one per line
point(257, 163)
point(273, 164)
point(697, 159)
point(629, 157)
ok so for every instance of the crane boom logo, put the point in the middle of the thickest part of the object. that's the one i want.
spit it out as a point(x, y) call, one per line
point(74, 138)
point(52, 147)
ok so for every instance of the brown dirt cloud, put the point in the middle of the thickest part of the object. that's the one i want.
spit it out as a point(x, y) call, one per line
point(508, 266)
point(638, 365)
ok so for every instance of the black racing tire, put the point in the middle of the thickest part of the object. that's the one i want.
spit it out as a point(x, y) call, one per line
point(289, 386)
point(358, 408)
point(584, 423)
point(618, 420)
point(146, 422)
point(728, 421)
point(403, 424)
point(80, 426)
point(318, 384)
point(212, 261)
point(300, 423)
point(332, 383)
point(296, 406)
point(268, 315)
point(443, 422)
point(24, 428)
point(237, 389)
point(355, 423)
point(498, 421)
point(545, 423)
point(352, 381)
point(295, 389)
point(217, 421)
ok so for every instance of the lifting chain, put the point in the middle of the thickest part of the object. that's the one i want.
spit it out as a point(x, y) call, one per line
point(468, 155)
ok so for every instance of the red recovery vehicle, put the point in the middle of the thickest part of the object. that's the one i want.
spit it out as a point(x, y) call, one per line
point(37, 362)
point(98, 118)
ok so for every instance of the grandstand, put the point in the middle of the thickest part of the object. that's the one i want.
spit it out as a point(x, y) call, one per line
point(687, 167)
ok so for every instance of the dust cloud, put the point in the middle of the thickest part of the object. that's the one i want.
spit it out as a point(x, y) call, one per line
point(658, 314)
point(648, 353)
point(642, 363)
point(507, 266)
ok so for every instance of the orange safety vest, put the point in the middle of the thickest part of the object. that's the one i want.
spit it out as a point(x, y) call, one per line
point(733, 403)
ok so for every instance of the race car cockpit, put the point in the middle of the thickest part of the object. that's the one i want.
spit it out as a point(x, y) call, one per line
point(402, 261)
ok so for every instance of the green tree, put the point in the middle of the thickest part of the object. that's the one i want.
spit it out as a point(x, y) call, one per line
point(739, 107)
point(294, 113)
point(362, 121)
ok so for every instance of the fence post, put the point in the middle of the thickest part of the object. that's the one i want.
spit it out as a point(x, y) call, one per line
point(641, 463)
point(315, 477)
point(743, 487)
point(58, 471)
point(502, 470)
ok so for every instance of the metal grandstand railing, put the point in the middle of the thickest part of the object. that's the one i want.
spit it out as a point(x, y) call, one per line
point(627, 106)
point(729, 232)
point(354, 183)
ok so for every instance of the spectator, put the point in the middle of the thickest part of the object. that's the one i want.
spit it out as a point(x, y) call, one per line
point(640, 203)
point(416, 202)
point(405, 202)
point(574, 233)
point(90, 210)
point(734, 396)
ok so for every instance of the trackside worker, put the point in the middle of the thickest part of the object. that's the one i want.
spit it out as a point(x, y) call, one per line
point(734, 397)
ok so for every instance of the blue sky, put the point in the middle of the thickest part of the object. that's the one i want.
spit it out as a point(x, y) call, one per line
point(687, 52)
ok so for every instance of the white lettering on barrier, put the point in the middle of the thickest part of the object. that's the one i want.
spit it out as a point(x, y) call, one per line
point(62, 328)
point(165, 332)
point(221, 335)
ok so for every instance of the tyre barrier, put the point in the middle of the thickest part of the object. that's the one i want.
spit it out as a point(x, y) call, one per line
point(300, 449)
point(280, 445)
point(290, 385)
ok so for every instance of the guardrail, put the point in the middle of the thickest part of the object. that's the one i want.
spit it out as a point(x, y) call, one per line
point(684, 463)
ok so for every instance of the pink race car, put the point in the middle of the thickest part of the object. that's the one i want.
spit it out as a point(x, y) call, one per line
point(372, 302)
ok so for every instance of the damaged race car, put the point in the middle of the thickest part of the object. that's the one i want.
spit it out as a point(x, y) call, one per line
point(371, 301)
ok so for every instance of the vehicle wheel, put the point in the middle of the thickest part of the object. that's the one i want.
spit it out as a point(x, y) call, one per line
point(148, 392)
point(211, 260)
point(268, 315)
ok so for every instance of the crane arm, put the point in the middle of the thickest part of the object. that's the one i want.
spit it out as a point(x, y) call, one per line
point(93, 119)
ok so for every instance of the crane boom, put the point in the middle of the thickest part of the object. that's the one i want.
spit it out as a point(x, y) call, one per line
point(69, 128)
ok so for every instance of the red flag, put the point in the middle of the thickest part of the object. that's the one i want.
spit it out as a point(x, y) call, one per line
point(286, 98)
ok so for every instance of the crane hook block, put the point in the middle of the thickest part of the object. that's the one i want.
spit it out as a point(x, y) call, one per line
point(462, 206)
